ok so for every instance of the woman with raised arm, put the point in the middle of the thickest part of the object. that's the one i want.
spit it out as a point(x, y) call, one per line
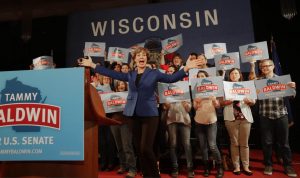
point(141, 106)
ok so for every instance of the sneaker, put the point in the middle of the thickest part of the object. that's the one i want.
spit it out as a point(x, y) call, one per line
point(268, 170)
point(289, 171)
point(131, 174)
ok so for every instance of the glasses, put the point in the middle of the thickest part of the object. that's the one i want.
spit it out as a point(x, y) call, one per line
point(266, 66)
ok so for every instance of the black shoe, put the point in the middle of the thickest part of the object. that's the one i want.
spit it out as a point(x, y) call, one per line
point(110, 168)
point(289, 171)
point(268, 170)
point(248, 173)
point(236, 172)
point(220, 171)
point(206, 172)
point(206, 168)
point(103, 168)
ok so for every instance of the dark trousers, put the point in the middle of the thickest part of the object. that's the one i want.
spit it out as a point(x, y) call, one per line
point(144, 131)
point(107, 148)
point(271, 128)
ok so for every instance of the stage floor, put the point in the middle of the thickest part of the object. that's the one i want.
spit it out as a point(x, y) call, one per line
point(256, 164)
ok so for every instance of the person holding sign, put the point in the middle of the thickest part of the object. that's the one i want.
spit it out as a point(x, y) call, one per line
point(141, 106)
point(238, 119)
point(179, 123)
point(274, 123)
point(123, 138)
point(206, 128)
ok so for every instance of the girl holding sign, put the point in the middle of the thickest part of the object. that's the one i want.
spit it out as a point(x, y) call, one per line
point(238, 119)
point(179, 125)
point(206, 128)
point(123, 138)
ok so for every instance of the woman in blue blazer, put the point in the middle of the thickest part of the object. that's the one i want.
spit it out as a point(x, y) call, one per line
point(141, 106)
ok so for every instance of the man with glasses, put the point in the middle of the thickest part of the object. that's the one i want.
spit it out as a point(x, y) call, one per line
point(274, 124)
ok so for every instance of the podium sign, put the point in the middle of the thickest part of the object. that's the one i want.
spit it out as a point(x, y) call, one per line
point(42, 115)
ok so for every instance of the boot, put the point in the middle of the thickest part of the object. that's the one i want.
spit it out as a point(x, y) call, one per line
point(220, 171)
point(174, 172)
point(206, 169)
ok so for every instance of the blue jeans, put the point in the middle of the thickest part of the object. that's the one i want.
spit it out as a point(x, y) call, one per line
point(123, 139)
point(279, 129)
point(207, 134)
point(185, 134)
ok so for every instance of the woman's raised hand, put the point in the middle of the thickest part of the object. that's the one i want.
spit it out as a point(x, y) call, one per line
point(191, 64)
point(86, 62)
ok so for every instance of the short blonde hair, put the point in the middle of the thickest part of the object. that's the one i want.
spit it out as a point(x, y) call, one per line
point(139, 50)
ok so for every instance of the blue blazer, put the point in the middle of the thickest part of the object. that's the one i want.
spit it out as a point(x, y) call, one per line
point(141, 99)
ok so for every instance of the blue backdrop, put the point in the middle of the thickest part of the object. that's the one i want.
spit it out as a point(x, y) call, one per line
point(200, 22)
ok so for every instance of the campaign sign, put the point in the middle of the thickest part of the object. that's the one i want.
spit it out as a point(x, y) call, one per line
point(274, 87)
point(114, 102)
point(254, 51)
point(95, 49)
point(205, 87)
point(173, 92)
point(118, 54)
point(193, 72)
point(43, 62)
point(227, 61)
point(172, 44)
point(42, 115)
point(239, 90)
point(212, 49)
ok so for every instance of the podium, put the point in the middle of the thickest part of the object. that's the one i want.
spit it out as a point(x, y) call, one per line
point(94, 115)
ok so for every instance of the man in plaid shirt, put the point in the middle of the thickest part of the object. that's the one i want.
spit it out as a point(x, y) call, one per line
point(274, 123)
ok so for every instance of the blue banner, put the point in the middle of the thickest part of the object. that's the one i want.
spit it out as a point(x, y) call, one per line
point(42, 115)
point(199, 22)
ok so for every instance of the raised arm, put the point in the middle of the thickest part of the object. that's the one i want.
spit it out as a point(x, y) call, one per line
point(102, 70)
point(252, 74)
point(180, 74)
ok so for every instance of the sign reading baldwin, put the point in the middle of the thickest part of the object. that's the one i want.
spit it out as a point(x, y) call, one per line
point(39, 119)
